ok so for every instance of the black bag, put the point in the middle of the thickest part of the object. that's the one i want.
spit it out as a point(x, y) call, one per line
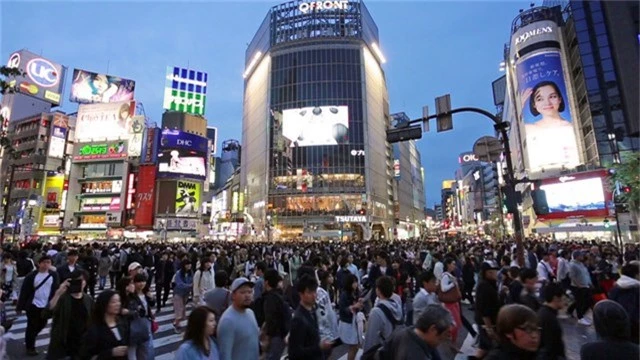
point(138, 330)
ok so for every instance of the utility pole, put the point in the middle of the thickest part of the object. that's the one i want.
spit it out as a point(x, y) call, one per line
point(444, 117)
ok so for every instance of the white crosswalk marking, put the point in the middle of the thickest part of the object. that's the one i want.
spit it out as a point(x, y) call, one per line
point(165, 341)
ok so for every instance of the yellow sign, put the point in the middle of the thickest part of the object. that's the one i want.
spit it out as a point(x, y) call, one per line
point(447, 184)
point(51, 203)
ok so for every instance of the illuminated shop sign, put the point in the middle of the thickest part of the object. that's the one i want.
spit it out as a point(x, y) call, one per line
point(351, 218)
point(467, 157)
point(312, 6)
point(110, 150)
point(533, 33)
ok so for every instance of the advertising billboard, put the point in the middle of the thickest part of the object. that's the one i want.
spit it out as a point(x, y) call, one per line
point(396, 168)
point(185, 90)
point(212, 134)
point(52, 202)
point(187, 198)
point(546, 112)
point(320, 125)
point(42, 79)
point(176, 139)
point(108, 150)
point(166, 204)
point(577, 195)
point(136, 135)
point(88, 87)
point(104, 121)
point(150, 145)
point(145, 196)
point(467, 157)
point(57, 141)
point(181, 163)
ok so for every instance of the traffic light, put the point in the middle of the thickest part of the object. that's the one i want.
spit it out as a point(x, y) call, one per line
point(607, 224)
point(626, 189)
point(362, 212)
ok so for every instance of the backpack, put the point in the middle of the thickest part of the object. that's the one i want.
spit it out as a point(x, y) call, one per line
point(380, 350)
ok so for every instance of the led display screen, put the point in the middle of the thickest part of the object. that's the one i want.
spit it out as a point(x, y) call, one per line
point(320, 125)
point(578, 195)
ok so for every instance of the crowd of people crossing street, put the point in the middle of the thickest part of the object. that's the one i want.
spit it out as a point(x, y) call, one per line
point(415, 299)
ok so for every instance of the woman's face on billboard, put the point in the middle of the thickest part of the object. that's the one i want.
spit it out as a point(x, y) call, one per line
point(547, 101)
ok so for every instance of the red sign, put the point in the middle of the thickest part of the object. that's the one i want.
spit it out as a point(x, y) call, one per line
point(144, 196)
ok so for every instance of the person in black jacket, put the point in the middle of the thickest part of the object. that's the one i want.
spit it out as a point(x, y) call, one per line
point(382, 268)
point(64, 271)
point(107, 337)
point(487, 307)
point(518, 331)
point(612, 326)
point(164, 274)
point(551, 344)
point(304, 338)
point(277, 317)
point(626, 292)
point(89, 263)
point(37, 290)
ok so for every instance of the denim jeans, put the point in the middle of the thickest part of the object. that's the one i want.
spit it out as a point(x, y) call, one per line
point(103, 282)
point(142, 351)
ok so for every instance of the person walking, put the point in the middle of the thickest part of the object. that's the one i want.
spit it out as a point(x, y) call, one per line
point(518, 332)
point(203, 280)
point(183, 285)
point(551, 344)
point(580, 287)
point(277, 315)
point(104, 265)
point(612, 326)
point(199, 342)
point(107, 337)
point(449, 285)
point(38, 289)
point(238, 333)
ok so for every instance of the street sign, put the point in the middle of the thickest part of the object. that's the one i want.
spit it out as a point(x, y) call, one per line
point(404, 134)
point(443, 106)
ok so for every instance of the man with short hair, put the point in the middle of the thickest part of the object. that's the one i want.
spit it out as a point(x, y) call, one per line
point(277, 316)
point(219, 298)
point(385, 316)
point(420, 342)
point(261, 267)
point(37, 290)
point(426, 296)
point(65, 270)
point(529, 278)
point(238, 332)
point(304, 338)
point(580, 287)
point(551, 345)
point(487, 306)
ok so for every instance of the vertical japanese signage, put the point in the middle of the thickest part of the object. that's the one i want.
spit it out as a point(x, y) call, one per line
point(145, 196)
point(58, 138)
point(150, 145)
point(185, 90)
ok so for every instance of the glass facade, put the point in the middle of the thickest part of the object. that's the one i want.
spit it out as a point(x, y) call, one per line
point(598, 84)
point(315, 116)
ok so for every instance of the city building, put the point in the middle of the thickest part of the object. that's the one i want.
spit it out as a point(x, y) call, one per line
point(409, 198)
point(570, 98)
point(33, 190)
point(477, 185)
point(315, 161)
point(448, 204)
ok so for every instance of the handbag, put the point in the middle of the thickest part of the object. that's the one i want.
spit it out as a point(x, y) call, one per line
point(452, 296)
point(154, 326)
point(138, 330)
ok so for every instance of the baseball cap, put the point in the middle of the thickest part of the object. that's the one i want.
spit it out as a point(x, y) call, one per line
point(489, 265)
point(240, 282)
point(134, 265)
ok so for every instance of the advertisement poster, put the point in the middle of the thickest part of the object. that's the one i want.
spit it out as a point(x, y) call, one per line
point(57, 142)
point(145, 195)
point(151, 141)
point(104, 121)
point(187, 198)
point(100, 151)
point(89, 87)
point(53, 191)
point(321, 125)
point(176, 139)
point(183, 163)
point(136, 135)
point(185, 90)
point(546, 113)
point(42, 79)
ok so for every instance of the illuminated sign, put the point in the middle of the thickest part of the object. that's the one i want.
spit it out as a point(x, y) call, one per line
point(467, 157)
point(176, 224)
point(532, 33)
point(109, 150)
point(104, 121)
point(316, 125)
point(306, 7)
point(351, 218)
point(357, 152)
point(396, 168)
point(187, 198)
point(41, 78)
point(185, 90)
point(90, 87)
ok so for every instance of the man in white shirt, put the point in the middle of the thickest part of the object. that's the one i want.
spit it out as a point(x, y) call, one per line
point(545, 272)
point(37, 290)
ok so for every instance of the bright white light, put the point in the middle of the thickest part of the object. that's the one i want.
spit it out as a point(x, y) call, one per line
point(252, 64)
point(376, 49)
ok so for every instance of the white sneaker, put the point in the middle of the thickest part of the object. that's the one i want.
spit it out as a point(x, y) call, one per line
point(584, 321)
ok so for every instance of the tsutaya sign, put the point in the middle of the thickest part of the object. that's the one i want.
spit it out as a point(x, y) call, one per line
point(306, 7)
point(351, 218)
point(531, 33)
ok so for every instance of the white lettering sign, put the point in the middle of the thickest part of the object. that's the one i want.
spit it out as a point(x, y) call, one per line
point(306, 7)
point(531, 33)
point(351, 218)
point(468, 158)
point(184, 101)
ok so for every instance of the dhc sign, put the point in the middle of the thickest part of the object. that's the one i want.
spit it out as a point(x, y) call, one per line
point(306, 7)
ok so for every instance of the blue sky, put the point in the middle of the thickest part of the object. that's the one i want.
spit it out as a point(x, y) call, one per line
point(432, 48)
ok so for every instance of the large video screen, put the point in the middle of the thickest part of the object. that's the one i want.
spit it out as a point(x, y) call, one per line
point(182, 162)
point(320, 125)
point(577, 195)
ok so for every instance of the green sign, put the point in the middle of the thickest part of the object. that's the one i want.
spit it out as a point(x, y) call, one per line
point(107, 150)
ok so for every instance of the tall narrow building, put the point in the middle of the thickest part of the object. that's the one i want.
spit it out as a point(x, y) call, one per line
point(315, 161)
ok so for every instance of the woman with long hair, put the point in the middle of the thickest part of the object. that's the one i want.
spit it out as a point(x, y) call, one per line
point(448, 284)
point(518, 333)
point(183, 286)
point(199, 342)
point(107, 337)
point(350, 304)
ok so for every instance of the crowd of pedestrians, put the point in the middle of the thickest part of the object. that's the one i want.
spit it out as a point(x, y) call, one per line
point(384, 300)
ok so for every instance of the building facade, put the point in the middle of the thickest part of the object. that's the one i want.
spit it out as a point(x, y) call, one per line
point(315, 115)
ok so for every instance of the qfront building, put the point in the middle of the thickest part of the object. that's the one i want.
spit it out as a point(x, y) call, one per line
point(315, 162)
